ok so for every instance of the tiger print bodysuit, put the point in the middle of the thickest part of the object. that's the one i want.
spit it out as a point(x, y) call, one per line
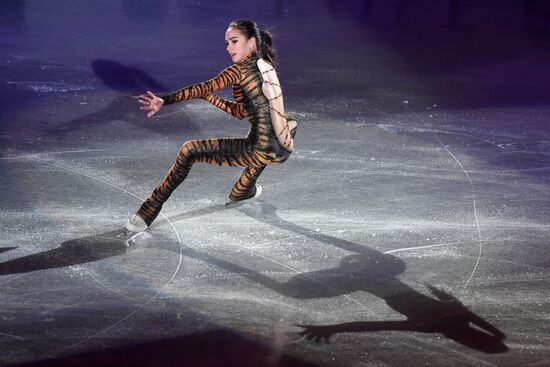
point(261, 147)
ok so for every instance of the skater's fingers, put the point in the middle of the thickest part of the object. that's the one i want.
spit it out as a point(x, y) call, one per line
point(151, 94)
point(145, 102)
point(146, 108)
point(151, 113)
point(145, 97)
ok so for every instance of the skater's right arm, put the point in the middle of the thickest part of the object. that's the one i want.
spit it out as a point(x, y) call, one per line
point(230, 75)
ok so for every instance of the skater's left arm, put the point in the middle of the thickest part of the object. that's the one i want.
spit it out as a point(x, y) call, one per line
point(235, 109)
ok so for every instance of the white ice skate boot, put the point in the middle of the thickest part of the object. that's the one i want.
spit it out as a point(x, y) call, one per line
point(258, 192)
point(233, 203)
point(136, 224)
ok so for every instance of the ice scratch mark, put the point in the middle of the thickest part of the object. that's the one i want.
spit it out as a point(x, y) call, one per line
point(471, 185)
point(46, 87)
point(298, 340)
point(395, 128)
point(61, 350)
point(430, 350)
point(12, 336)
point(423, 247)
point(109, 288)
point(540, 363)
point(137, 269)
point(11, 279)
point(38, 155)
point(513, 281)
point(535, 315)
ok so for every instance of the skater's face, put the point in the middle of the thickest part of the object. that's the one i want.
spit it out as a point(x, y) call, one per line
point(238, 46)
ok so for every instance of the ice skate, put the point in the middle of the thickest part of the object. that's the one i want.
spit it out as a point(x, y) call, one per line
point(233, 203)
point(136, 224)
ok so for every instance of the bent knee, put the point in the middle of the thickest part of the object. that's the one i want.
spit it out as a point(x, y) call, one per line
point(188, 149)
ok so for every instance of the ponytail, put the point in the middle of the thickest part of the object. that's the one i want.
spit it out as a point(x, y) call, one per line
point(266, 47)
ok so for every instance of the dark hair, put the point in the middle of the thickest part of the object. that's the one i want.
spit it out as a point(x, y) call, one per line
point(264, 40)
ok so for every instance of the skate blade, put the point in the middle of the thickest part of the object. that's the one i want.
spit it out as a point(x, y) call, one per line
point(129, 237)
point(124, 233)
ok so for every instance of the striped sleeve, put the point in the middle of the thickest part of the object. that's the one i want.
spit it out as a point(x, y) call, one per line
point(228, 76)
point(233, 108)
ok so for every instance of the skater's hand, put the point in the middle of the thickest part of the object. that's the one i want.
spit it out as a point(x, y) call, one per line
point(316, 333)
point(150, 103)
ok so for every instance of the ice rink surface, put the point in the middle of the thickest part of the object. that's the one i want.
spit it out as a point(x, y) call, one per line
point(409, 227)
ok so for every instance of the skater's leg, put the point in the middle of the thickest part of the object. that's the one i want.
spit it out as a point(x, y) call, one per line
point(223, 152)
point(177, 173)
point(245, 187)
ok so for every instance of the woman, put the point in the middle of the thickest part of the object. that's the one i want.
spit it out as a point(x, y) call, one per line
point(258, 97)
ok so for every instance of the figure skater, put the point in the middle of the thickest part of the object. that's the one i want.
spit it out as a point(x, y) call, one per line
point(257, 97)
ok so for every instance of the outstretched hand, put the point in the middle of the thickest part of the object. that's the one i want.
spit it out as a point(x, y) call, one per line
point(150, 103)
point(317, 333)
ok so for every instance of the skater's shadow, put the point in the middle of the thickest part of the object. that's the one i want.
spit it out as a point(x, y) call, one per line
point(188, 215)
point(194, 214)
point(87, 249)
point(72, 252)
point(374, 272)
point(5, 249)
point(126, 80)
